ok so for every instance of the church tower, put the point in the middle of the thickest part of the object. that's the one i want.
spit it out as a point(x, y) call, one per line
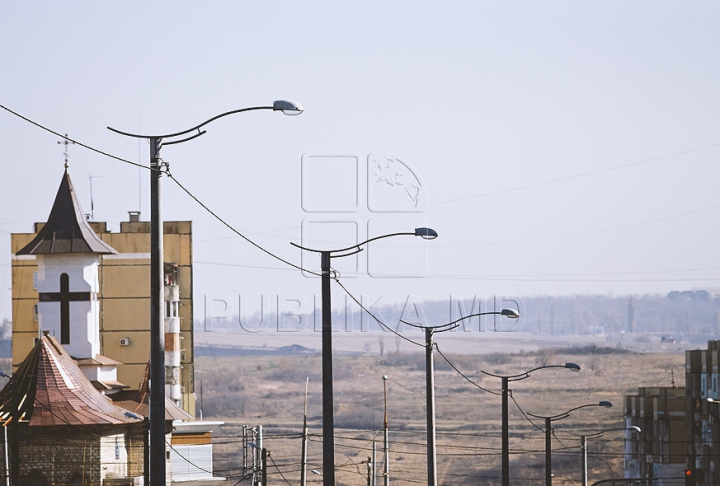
point(88, 286)
point(68, 254)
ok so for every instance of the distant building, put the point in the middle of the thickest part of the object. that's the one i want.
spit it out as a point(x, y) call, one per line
point(680, 426)
point(703, 425)
point(658, 451)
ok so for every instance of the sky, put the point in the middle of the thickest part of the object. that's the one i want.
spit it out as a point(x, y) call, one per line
point(558, 148)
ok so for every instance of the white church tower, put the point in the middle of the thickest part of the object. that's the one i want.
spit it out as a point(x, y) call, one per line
point(68, 254)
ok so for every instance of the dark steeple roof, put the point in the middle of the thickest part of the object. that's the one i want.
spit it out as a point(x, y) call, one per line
point(66, 230)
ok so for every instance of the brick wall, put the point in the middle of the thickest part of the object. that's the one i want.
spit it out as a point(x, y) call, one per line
point(62, 454)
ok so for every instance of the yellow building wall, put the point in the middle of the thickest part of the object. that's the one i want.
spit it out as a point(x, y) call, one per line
point(124, 299)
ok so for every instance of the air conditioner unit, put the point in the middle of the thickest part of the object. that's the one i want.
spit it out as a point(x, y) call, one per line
point(124, 341)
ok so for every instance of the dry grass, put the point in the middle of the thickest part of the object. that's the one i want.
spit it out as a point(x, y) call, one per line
point(270, 391)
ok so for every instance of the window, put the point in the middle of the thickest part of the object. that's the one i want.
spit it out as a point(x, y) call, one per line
point(35, 280)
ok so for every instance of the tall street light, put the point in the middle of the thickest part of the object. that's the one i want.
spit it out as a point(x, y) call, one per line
point(505, 421)
point(328, 420)
point(430, 382)
point(548, 433)
point(584, 446)
point(157, 336)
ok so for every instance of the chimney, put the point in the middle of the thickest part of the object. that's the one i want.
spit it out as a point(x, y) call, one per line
point(134, 216)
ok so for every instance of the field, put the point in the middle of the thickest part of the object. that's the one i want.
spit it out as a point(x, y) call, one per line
point(269, 391)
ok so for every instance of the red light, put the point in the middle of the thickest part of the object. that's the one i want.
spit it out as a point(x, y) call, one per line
point(688, 472)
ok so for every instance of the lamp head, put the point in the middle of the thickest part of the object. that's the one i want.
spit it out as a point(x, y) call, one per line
point(426, 233)
point(4, 375)
point(572, 366)
point(288, 107)
point(634, 428)
point(133, 416)
point(605, 404)
point(385, 377)
point(511, 313)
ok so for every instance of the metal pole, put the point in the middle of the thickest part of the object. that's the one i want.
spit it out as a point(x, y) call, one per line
point(430, 406)
point(386, 473)
point(264, 467)
point(157, 329)
point(369, 470)
point(583, 447)
point(374, 459)
point(146, 450)
point(303, 459)
point(548, 451)
point(505, 434)
point(328, 420)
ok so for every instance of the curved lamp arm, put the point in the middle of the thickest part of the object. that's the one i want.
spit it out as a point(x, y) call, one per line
point(560, 416)
point(595, 435)
point(287, 107)
point(424, 233)
point(526, 374)
point(511, 313)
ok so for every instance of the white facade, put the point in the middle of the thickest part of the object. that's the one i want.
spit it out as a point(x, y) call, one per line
point(82, 275)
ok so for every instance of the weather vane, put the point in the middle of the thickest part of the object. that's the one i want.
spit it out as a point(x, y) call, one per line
point(66, 141)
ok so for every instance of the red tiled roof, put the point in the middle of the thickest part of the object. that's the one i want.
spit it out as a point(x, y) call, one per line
point(138, 401)
point(54, 391)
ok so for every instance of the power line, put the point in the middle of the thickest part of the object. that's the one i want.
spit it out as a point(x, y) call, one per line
point(72, 140)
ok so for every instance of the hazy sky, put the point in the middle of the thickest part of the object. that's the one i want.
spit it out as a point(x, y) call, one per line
point(557, 147)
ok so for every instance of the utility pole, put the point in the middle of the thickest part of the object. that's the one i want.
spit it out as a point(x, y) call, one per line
point(369, 471)
point(386, 473)
point(430, 408)
point(303, 459)
point(327, 374)
point(157, 329)
point(583, 448)
point(374, 462)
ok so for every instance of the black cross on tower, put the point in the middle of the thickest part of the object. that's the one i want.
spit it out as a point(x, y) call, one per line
point(64, 297)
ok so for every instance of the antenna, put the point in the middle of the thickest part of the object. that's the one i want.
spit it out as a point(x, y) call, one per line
point(66, 141)
point(91, 216)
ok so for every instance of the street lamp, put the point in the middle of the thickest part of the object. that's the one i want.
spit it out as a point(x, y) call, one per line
point(548, 433)
point(505, 421)
point(157, 336)
point(328, 420)
point(584, 446)
point(430, 382)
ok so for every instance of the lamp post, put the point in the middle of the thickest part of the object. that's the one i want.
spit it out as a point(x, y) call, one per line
point(328, 420)
point(548, 433)
point(430, 382)
point(584, 447)
point(386, 448)
point(157, 336)
point(505, 420)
